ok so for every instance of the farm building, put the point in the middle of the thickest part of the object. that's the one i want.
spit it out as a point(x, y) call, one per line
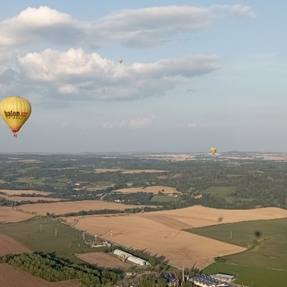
point(228, 278)
point(207, 281)
point(131, 258)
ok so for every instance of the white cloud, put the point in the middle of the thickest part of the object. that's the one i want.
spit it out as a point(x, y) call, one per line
point(133, 123)
point(192, 125)
point(134, 27)
point(75, 72)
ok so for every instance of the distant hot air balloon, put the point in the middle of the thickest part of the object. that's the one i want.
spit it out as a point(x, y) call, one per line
point(15, 111)
point(213, 150)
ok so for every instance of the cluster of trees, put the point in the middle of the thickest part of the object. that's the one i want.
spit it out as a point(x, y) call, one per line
point(52, 268)
point(107, 211)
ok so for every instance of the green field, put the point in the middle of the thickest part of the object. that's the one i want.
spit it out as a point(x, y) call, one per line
point(221, 192)
point(264, 264)
point(251, 276)
point(164, 199)
point(48, 235)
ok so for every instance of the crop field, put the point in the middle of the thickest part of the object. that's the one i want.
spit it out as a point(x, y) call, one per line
point(267, 253)
point(150, 189)
point(48, 235)
point(179, 247)
point(104, 260)
point(199, 216)
point(168, 227)
point(8, 214)
point(60, 208)
point(12, 277)
point(9, 245)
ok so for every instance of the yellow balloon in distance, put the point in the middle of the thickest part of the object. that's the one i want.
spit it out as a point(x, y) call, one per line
point(213, 150)
point(15, 111)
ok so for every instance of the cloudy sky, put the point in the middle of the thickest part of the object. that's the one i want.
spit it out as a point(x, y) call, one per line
point(154, 76)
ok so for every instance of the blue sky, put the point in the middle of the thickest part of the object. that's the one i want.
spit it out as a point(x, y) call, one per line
point(194, 74)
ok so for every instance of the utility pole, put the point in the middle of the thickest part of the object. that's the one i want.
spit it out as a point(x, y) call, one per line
point(183, 279)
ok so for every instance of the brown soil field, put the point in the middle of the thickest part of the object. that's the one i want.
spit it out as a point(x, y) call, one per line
point(199, 216)
point(179, 247)
point(11, 192)
point(129, 171)
point(9, 245)
point(12, 277)
point(60, 208)
point(162, 232)
point(104, 260)
point(29, 198)
point(150, 189)
point(8, 214)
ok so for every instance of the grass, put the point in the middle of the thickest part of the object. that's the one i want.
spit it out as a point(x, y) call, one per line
point(251, 276)
point(222, 192)
point(164, 199)
point(48, 235)
point(264, 263)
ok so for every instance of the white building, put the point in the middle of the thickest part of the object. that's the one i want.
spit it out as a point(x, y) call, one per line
point(223, 277)
point(131, 258)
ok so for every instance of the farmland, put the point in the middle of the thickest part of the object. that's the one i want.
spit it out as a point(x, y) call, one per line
point(150, 189)
point(267, 253)
point(60, 208)
point(23, 192)
point(10, 246)
point(178, 246)
point(28, 198)
point(190, 191)
point(231, 180)
point(129, 171)
point(12, 277)
point(104, 260)
point(47, 235)
point(198, 216)
point(8, 214)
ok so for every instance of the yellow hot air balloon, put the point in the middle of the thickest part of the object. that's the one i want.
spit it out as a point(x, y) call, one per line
point(213, 150)
point(15, 111)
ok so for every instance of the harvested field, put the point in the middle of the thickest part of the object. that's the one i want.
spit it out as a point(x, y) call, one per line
point(8, 214)
point(179, 247)
point(199, 216)
point(29, 198)
point(104, 260)
point(150, 189)
point(12, 192)
point(60, 208)
point(10, 246)
point(161, 232)
point(12, 277)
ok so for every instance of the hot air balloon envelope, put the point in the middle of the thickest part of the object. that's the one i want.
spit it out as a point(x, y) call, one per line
point(213, 150)
point(15, 111)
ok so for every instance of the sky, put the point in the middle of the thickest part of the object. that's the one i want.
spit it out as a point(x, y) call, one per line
point(146, 76)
